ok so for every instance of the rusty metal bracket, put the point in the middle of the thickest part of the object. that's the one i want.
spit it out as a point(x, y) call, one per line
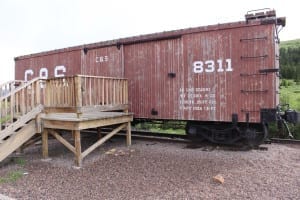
point(254, 57)
point(254, 91)
point(255, 74)
point(253, 39)
point(270, 70)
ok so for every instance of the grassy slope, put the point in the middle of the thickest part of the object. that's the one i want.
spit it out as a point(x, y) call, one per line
point(291, 95)
point(290, 43)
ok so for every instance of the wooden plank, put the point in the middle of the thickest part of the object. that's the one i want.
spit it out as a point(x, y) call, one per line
point(32, 103)
point(20, 122)
point(78, 155)
point(99, 108)
point(59, 92)
point(45, 143)
point(31, 142)
point(5, 108)
point(103, 122)
point(60, 109)
point(102, 140)
point(99, 87)
point(85, 117)
point(128, 134)
point(90, 91)
point(65, 125)
point(15, 141)
point(80, 125)
point(114, 91)
point(16, 104)
point(103, 92)
point(71, 97)
point(38, 92)
point(23, 102)
point(38, 123)
point(111, 92)
point(118, 92)
point(12, 105)
point(99, 132)
point(19, 88)
point(106, 91)
point(78, 92)
point(62, 140)
point(47, 93)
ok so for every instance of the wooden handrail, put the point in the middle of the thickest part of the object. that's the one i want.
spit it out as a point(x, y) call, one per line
point(9, 86)
point(70, 94)
point(75, 92)
point(10, 82)
point(20, 101)
point(20, 88)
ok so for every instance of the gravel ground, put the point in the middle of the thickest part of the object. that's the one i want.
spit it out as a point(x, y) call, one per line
point(157, 170)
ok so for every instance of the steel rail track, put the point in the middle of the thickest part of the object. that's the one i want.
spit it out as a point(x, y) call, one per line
point(285, 141)
point(147, 135)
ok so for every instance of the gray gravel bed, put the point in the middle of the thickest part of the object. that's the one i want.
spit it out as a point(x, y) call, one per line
point(157, 170)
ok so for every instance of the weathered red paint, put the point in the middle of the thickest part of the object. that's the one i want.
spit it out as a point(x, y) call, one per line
point(165, 82)
point(33, 66)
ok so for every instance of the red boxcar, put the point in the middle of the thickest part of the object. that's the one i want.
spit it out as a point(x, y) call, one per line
point(220, 73)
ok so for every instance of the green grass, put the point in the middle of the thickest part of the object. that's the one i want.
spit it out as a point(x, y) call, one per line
point(168, 131)
point(4, 119)
point(20, 161)
point(290, 44)
point(16, 174)
point(290, 94)
point(12, 176)
point(168, 127)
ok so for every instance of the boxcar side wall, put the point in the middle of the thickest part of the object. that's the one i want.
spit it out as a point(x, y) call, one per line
point(206, 76)
point(200, 75)
point(106, 61)
point(49, 65)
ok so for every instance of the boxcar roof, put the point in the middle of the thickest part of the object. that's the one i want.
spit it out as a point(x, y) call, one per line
point(146, 38)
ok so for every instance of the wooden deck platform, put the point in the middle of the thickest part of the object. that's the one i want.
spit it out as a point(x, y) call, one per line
point(70, 121)
point(73, 103)
point(83, 102)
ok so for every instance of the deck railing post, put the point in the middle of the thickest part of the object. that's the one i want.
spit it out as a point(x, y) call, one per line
point(47, 93)
point(38, 92)
point(78, 94)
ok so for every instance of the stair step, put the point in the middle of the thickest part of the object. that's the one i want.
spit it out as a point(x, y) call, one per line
point(20, 122)
point(17, 139)
point(3, 140)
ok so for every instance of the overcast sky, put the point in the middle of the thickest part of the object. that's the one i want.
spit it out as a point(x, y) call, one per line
point(30, 26)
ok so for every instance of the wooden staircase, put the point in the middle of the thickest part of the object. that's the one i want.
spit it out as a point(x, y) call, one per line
point(20, 106)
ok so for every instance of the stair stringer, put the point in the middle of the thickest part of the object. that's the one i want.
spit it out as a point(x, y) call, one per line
point(20, 122)
point(17, 139)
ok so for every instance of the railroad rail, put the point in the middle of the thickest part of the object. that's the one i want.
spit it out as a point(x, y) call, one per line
point(285, 141)
point(157, 136)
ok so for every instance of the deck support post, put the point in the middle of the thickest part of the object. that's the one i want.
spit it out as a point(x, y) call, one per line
point(45, 143)
point(128, 134)
point(78, 156)
point(99, 132)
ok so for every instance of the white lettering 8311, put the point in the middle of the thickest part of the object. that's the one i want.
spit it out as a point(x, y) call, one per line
point(209, 66)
